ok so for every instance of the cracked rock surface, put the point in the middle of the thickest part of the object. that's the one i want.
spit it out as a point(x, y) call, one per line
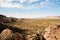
point(52, 32)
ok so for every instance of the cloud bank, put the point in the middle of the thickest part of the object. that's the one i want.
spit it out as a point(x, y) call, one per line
point(26, 4)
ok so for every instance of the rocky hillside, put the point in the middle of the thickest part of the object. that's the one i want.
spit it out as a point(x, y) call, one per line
point(5, 19)
point(52, 32)
point(8, 32)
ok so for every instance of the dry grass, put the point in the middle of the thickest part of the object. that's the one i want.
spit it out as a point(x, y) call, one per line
point(35, 24)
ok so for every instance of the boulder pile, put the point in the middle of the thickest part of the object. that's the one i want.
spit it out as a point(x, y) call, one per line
point(13, 33)
point(52, 32)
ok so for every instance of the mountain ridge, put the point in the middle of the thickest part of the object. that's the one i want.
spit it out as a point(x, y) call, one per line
point(50, 17)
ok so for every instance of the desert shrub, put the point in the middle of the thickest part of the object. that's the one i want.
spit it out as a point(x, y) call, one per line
point(17, 36)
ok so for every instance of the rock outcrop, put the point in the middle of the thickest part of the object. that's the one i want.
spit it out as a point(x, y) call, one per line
point(36, 36)
point(17, 36)
point(5, 19)
point(52, 32)
point(6, 34)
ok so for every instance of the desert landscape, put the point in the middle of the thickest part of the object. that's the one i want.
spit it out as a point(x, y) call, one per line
point(47, 28)
point(29, 19)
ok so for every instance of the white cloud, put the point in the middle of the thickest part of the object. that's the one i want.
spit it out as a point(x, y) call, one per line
point(46, 4)
point(22, 1)
point(7, 4)
point(24, 4)
point(7, 0)
point(33, 1)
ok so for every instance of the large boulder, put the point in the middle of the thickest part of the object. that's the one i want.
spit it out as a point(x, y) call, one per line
point(6, 34)
point(52, 32)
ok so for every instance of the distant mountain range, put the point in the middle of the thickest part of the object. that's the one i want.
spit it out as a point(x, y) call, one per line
point(3, 18)
point(51, 17)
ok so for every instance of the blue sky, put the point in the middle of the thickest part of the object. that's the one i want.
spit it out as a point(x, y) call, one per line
point(30, 8)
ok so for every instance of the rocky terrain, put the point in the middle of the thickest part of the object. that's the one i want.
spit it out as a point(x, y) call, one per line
point(8, 32)
point(52, 32)
point(29, 29)
point(5, 19)
point(13, 33)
